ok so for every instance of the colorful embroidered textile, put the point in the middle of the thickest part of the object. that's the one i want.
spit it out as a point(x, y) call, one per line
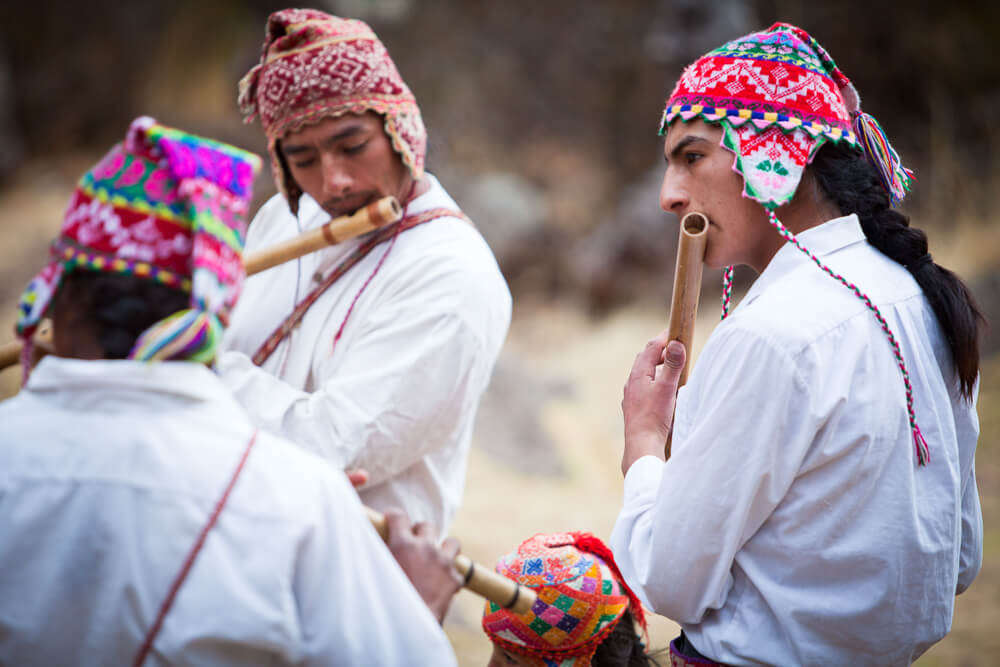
point(167, 206)
point(778, 97)
point(315, 66)
point(581, 596)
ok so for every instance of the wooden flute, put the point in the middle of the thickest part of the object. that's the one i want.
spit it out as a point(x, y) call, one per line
point(480, 580)
point(379, 213)
point(687, 287)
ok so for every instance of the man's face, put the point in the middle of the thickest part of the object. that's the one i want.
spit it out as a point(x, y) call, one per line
point(345, 163)
point(700, 177)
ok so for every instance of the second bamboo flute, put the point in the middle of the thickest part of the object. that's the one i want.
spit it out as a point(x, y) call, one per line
point(383, 212)
point(485, 582)
point(687, 287)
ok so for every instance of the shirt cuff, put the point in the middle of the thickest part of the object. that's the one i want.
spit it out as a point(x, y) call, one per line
point(643, 478)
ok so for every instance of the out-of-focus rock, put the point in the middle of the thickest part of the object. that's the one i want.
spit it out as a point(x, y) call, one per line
point(509, 426)
point(511, 213)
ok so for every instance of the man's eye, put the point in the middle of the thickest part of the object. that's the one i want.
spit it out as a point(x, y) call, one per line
point(357, 148)
point(302, 164)
point(691, 157)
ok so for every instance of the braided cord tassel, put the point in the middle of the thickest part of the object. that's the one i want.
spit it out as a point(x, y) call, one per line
point(923, 452)
point(727, 291)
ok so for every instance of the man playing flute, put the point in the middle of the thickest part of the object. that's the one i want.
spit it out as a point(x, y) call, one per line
point(819, 506)
point(377, 364)
point(141, 513)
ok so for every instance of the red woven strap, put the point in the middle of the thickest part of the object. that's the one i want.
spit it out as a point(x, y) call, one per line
point(147, 643)
point(379, 236)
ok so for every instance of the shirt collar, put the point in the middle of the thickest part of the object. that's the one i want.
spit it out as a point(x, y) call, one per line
point(86, 384)
point(822, 240)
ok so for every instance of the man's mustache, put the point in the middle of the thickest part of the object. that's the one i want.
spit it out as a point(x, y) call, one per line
point(340, 206)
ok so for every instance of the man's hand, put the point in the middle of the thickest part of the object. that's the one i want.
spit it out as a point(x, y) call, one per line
point(430, 567)
point(650, 395)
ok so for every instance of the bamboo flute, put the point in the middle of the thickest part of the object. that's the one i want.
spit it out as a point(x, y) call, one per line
point(379, 213)
point(691, 246)
point(480, 580)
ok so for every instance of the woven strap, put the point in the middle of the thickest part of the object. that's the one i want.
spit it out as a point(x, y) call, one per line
point(147, 643)
point(379, 236)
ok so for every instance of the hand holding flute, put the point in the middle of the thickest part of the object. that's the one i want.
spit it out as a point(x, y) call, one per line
point(437, 588)
point(661, 368)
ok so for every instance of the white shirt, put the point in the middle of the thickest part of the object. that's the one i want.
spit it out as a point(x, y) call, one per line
point(108, 472)
point(398, 393)
point(792, 524)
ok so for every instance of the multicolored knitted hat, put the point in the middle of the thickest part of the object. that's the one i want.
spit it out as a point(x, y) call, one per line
point(778, 97)
point(581, 596)
point(167, 206)
point(315, 66)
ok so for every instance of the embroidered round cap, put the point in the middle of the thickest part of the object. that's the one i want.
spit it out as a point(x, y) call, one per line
point(163, 205)
point(581, 596)
point(316, 66)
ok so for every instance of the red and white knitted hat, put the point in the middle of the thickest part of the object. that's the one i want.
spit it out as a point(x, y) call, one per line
point(315, 66)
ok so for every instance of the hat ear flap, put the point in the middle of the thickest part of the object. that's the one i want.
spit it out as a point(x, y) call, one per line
point(246, 97)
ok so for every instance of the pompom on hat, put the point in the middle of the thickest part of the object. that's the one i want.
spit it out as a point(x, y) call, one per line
point(163, 205)
point(581, 597)
point(315, 66)
point(778, 97)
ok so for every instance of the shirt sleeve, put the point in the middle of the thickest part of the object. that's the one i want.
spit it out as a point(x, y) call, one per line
point(735, 453)
point(414, 369)
point(355, 605)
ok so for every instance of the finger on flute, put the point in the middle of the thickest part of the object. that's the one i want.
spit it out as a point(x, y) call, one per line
point(377, 214)
point(478, 579)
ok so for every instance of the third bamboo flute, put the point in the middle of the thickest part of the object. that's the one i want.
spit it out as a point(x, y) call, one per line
point(485, 582)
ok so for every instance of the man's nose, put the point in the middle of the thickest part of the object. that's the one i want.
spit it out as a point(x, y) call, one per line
point(336, 179)
point(673, 196)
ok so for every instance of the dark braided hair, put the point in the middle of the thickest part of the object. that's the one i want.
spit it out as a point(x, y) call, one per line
point(852, 183)
point(623, 647)
point(117, 307)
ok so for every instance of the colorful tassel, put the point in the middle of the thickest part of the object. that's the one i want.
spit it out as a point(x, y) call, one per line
point(187, 335)
point(895, 177)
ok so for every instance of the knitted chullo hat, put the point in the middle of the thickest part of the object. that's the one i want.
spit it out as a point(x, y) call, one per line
point(167, 206)
point(316, 66)
point(581, 596)
point(778, 97)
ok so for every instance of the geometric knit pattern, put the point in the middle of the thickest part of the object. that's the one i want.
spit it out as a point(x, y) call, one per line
point(315, 66)
point(163, 205)
point(778, 100)
point(579, 602)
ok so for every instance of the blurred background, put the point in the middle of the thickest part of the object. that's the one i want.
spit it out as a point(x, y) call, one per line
point(542, 119)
